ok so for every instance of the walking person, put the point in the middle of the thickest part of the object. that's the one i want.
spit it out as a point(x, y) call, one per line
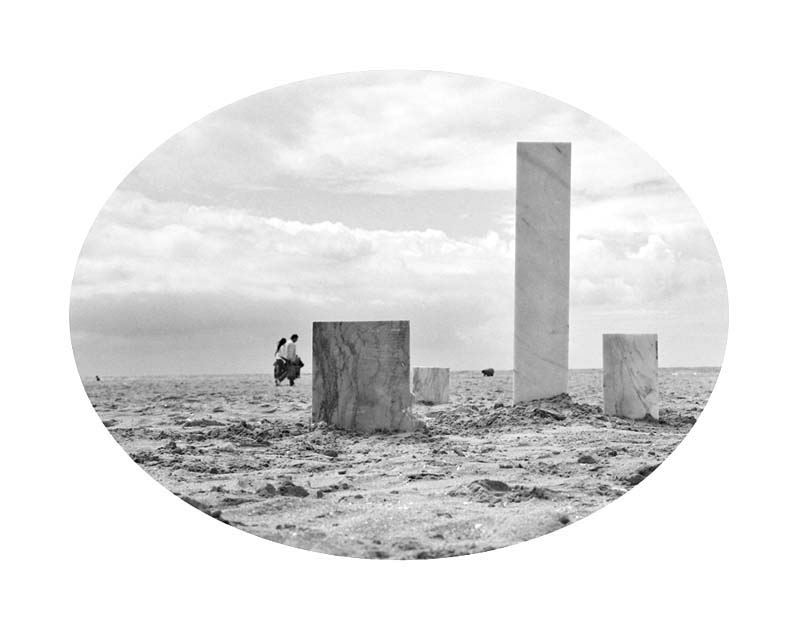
point(294, 362)
point(281, 362)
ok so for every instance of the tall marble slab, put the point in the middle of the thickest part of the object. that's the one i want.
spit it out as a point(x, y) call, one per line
point(361, 373)
point(431, 385)
point(541, 317)
point(630, 375)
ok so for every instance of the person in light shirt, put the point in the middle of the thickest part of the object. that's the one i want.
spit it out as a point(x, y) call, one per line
point(294, 362)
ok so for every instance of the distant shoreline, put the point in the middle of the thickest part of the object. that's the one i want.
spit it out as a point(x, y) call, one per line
point(308, 373)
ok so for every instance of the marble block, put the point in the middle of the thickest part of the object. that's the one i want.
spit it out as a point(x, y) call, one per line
point(630, 375)
point(541, 313)
point(431, 384)
point(361, 375)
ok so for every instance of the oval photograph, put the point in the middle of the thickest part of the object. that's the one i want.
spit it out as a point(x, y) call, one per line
point(398, 315)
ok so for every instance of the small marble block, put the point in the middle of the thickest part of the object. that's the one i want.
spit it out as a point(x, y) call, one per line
point(630, 375)
point(431, 385)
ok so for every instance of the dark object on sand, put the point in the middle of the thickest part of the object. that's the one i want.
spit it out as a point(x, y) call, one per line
point(287, 370)
point(492, 485)
point(549, 413)
point(642, 473)
point(97, 377)
point(217, 514)
point(289, 489)
point(488, 372)
point(267, 491)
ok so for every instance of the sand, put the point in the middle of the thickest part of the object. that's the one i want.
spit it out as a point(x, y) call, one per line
point(483, 474)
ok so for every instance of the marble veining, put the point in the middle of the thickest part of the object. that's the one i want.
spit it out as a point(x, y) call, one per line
point(361, 375)
point(431, 385)
point(541, 316)
point(630, 375)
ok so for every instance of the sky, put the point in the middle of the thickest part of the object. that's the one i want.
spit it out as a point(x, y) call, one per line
point(382, 195)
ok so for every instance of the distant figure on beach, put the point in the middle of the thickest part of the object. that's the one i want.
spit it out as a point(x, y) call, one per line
point(287, 363)
point(97, 377)
point(281, 363)
point(294, 362)
point(488, 372)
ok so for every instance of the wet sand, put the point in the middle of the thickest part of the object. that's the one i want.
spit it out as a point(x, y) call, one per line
point(482, 474)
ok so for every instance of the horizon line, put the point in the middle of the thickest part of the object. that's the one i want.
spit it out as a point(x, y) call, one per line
point(309, 372)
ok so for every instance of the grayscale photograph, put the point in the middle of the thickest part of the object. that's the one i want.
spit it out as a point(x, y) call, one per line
point(398, 315)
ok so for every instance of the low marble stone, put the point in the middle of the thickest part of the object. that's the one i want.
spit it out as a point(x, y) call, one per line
point(630, 375)
point(431, 385)
point(541, 300)
point(361, 375)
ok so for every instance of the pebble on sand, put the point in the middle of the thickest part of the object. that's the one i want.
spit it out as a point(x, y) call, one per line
point(289, 489)
point(642, 473)
point(266, 491)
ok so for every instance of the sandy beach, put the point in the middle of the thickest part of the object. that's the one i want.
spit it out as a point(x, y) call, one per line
point(482, 474)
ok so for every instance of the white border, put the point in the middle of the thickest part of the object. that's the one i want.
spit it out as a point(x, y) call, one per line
point(707, 540)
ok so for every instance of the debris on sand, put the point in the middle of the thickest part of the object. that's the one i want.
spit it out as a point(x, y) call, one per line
point(266, 491)
point(642, 473)
point(333, 488)
point(511, 469)
point(145, 457)
point(492, 485)
point(536, 492)
point(203, 422)
point(493, 491)
point(290, 489)
point(172, 448)
point(199, 505)
point(425, 475)
point(549, 413)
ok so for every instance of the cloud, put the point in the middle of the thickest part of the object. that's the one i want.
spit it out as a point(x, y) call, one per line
point(201, 273)
point(151, 269)
point(386, 133)
point(141, 248)
point(381, 196)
